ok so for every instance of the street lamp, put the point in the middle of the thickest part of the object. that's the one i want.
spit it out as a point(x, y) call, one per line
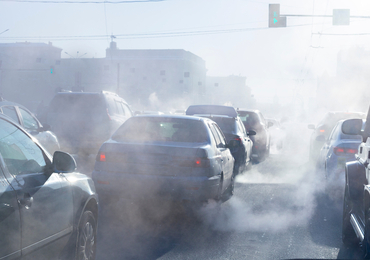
point(4, 31)
point(76, 55)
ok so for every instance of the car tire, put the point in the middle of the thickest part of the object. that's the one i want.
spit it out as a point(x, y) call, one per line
point(86, 238)
point(349, 237)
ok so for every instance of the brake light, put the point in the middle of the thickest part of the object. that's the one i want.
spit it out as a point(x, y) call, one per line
point(340, 151)
point(202, 162)
point(101, 157)
point(322, 130)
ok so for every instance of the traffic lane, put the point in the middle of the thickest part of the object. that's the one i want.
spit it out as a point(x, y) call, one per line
point(276, 213)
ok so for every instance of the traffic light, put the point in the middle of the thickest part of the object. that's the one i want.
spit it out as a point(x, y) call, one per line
point(275, 20)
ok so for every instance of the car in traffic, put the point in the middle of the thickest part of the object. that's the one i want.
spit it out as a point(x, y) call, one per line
point(277, 133)
point(323, 129)
point(84, 120)
point(47, 209)
point(339, 149)
point(169, 157)
point(232, 127)
point(28, 121)
point(356, 201)
point(254, 120)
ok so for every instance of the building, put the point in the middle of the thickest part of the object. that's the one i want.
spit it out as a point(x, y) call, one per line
point(230, 90)
point(26, 71)
point(147, 79)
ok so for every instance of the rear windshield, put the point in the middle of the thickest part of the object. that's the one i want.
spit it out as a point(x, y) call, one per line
point(249, 118)
point(77, 104)
point(227, 124)
point(332, 118)
point(161, 129)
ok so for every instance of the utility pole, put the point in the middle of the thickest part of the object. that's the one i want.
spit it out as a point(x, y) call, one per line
point(117, 91)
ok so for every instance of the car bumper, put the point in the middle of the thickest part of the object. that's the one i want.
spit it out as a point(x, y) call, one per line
point(140, 186)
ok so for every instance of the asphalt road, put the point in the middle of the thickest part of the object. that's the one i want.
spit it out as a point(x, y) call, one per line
point(279, 211)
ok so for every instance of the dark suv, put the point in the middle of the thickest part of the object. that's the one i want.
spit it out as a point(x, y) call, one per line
point(83, 121)
point(233, 129)
point(47, 210)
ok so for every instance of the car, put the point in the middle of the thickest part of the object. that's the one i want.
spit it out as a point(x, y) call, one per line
point(277, 133)
point(84, 120)
point(47, 209)
point(232, 127)
point(323, 129)
point(170, 157)
point(28, 121)
point(339, 149)
point(254, 120)
point(356, 201)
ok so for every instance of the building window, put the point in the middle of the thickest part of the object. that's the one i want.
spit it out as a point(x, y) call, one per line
point(57, 62)
point(38, 60)
point(163, 72)
point(163, 80)
point(199, 83)
point(216, 84)
point(1, 63)
point(144, 78)
point(187, 74)
point(181, 81)
point(106, 67)
point(132, 70)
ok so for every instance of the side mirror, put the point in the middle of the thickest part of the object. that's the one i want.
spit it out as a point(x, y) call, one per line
point(251, 132)
point(320, 138)
point(311, 126)
point(352, 126)
point(269, 124)
point(63, 162)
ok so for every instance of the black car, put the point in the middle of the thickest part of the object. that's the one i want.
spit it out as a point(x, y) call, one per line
point(232, 127)
point(47, 210)
point(84, 120)
point(254, 120)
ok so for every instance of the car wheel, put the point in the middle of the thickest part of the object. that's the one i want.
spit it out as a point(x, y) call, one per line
point(349, 237)
point(86, 240)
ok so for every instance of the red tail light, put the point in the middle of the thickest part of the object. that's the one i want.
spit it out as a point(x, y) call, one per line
point(101, 157)
point(340, 151)
point(196, 162)
point(322, 130)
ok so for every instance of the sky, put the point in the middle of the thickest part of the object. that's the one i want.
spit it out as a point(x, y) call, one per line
point(232, 36)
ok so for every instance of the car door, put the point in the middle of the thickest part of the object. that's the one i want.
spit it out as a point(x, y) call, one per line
point(224, 155)
point(247, 143)
point(10, 221)
point(44, 197)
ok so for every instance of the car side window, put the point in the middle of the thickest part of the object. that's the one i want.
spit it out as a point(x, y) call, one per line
point(215, 136)
point(112, 108)
point(29, 122)
point(120, 109)
point(10, 112)
point(127, 110)
point(221, 135)
point(241, 126)
point(21, 155)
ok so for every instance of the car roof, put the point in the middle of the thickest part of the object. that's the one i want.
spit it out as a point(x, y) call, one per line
point(211, 110)
point(195, 118)
point(103, 92)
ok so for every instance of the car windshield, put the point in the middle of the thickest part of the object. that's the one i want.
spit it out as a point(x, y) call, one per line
point(80, 104)
point(249, 118)
point(143, 129)
point(227, 124)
